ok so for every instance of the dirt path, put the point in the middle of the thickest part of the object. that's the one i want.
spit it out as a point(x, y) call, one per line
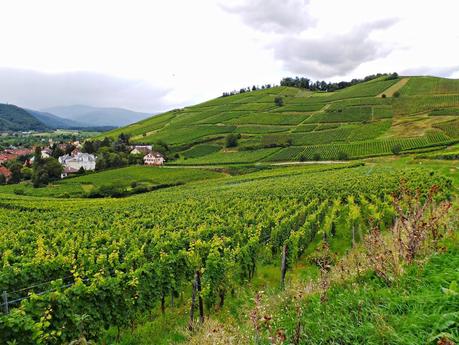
point(394, 88)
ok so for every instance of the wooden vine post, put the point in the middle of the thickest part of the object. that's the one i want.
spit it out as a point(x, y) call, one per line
point(284, 264)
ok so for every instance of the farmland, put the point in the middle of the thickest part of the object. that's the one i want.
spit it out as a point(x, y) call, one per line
point(411, 112)
point(133, 255)
point(282, 216)
point(125, 178)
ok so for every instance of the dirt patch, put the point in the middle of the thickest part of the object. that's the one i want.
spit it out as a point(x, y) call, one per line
point(394, 88)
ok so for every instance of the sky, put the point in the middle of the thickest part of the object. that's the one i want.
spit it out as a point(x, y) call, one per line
point(155, 55)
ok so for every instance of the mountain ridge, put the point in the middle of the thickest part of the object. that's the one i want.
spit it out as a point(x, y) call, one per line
point(97, 116)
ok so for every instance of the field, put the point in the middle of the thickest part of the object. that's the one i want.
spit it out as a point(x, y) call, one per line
point(133, 255)
point(121, 178)
point(351, 117)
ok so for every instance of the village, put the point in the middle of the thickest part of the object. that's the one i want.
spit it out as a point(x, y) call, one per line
point(73, 158)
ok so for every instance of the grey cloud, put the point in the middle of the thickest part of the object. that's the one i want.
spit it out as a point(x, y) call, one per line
point(334, 55)
point(273, 15)
point(436, 71)
point(42, 90)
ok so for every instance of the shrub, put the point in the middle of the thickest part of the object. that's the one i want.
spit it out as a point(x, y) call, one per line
point(396, 149)
point(231, 140)
point(316, 156)
point(279, 101)
point(383, 95)
point(342, 156)
point(396, 94)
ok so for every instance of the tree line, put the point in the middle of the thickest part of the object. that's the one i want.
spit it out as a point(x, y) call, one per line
point(321, 85)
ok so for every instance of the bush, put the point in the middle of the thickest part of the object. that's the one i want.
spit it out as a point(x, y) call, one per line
point(316, 156)
point(396, 149)
point(302, 158)
point(231, 140)
point(279, 101)
point(396, 94)
point(343, 156)
point(383, 95)
point(19, 191)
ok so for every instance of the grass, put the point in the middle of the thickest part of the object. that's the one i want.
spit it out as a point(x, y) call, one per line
point(201, 150)
point(123, 177)
point(229, 157)
point(430, 86)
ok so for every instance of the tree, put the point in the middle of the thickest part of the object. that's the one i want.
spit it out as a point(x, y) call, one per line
point(279, 101)
point(53, 168)
point(26, 173)
point(37, 160)
point(88, 147)
point(69, 148)
point(2, 179)
point(396, 149)
point(56, 151)
point(15, 168)
point(231, 140)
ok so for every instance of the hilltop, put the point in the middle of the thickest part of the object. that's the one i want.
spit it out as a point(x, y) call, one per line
point(372, 118)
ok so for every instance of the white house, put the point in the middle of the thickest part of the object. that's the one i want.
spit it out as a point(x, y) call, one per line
point(79, 160)
point(154, 158)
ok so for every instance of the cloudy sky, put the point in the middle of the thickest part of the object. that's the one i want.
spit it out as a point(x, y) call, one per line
point(152, 55)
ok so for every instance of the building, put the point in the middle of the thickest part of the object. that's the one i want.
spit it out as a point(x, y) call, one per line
point(20, 152)
point(67, 171)
point(5, 157)
point(141, 149)
point(46, 152)
point(5, 172)
point(80, 160)
point(154, 158)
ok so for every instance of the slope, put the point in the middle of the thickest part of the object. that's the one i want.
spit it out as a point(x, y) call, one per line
point(367, 119)
point(13, 118)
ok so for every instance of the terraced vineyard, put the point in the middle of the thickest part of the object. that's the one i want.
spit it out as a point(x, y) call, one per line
point(360, 121)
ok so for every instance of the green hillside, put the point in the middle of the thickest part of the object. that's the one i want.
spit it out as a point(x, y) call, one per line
point(368, 119)
point(13, 118)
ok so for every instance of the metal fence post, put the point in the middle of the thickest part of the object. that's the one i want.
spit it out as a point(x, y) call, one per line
point(5, 302)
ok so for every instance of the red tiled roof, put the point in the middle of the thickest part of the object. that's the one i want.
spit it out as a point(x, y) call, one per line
point(6, 157)
point(5, 171)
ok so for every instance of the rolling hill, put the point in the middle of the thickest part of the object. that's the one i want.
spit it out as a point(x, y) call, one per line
point(97, 116)
point(55, 122)
point(373, 118)
point(13, 118)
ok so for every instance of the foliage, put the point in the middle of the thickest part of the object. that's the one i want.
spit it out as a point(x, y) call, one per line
point(231, 140)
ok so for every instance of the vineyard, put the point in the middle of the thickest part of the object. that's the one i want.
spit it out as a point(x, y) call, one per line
point(379, 110)
point(113, 260)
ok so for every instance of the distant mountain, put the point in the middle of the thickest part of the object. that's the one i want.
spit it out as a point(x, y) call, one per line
point(13, 118)
point(54, 121)
point(98, 116)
